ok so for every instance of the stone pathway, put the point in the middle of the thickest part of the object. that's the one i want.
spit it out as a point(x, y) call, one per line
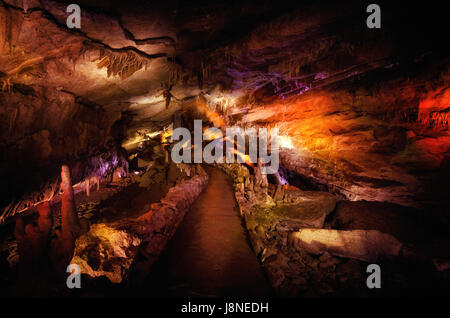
point(210, 255)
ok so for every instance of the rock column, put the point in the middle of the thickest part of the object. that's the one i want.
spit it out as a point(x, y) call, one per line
point(69, 217)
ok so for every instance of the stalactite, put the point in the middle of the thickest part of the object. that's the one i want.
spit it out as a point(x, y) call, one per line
point(436, 119)
point(11, 29)
point(203, 72)
point(25, 5)
point(47, 192)
point(3, 28)
point(86, 184)
point(7, 85)
point(123, 64)
point(8, 32)
point(175, 74)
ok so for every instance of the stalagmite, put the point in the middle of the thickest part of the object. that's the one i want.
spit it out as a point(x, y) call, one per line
point(64, 246)
point(97, 182)
point(69, 217)
point(23, 246)
point(87, 186)
point(35, 249)
point(33, 241)
point(166, 156)
point(279, 193)
point(45, 221)
point(260, 178)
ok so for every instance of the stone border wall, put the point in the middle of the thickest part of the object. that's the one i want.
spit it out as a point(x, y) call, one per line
point(116, 249)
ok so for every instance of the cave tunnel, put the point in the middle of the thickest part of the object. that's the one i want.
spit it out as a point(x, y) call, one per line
point(210, 149)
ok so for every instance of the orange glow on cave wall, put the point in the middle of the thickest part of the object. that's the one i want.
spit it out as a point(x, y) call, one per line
point(365, 130)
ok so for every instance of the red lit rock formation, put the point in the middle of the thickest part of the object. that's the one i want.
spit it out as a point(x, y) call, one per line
point(33, 243)
point(63, 246)
point(39, 254)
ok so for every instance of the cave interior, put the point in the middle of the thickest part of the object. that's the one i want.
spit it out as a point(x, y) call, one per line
point(90, 184)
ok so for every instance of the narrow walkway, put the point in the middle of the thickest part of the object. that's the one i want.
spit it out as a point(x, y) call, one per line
point(210, 255)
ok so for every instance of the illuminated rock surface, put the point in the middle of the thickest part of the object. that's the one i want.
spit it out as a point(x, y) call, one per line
point(110, 249)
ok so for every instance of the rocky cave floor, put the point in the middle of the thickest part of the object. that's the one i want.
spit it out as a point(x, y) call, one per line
point(340, 239)
point(411, 247)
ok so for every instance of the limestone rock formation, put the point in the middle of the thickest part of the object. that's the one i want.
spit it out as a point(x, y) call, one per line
point(106, 251)
point(365, 245)
point(42, 256)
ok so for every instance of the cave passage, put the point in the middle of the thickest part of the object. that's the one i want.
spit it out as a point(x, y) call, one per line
point(224, 149)
point(210, 255)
